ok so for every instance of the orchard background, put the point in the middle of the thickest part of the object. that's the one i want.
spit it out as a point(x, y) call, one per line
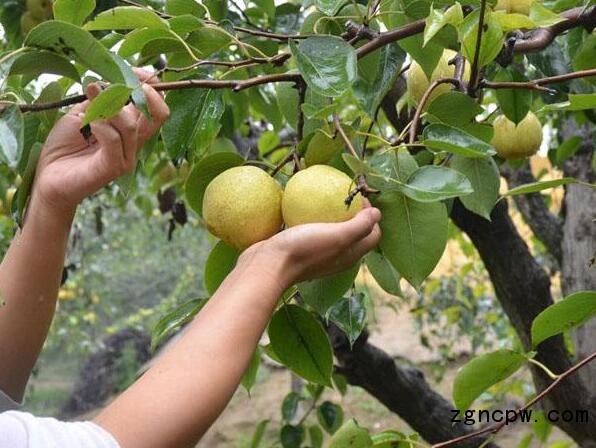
point(366, 87)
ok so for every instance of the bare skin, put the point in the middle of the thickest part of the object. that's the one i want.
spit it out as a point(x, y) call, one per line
point(175, 402)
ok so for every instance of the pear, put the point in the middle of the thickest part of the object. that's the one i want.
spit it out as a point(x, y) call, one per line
point(317, 194)
point(516, 142)
point(514, 6)
point(40, 9)
point(242, 206)
point(417, 82)
point(28, 22)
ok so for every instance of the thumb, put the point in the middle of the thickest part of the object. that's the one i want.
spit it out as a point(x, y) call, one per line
point(92, 90)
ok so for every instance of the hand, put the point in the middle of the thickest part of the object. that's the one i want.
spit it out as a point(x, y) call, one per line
point(312, 251)
point(71, 168)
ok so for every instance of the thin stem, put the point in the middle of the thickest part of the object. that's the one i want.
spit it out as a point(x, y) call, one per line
point(493, 429)
point(474, 72)
point(423, 101)
point(301, 86)
point(537, 84)
point(549, 372)
point(344, 136)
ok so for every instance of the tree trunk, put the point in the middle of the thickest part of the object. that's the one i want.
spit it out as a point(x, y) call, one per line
point(578, 270)
point(402, 390)
point(523, 289)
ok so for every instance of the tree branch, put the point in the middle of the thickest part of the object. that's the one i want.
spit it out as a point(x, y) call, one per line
point(537, 84)
point(493, 429)
point(423, 101)
point(344, 136)
point(474, 72)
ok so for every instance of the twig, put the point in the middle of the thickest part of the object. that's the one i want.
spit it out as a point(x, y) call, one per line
point(573, 18)
point(301, 86)
point(493, 429)
point(372, 123)
point(423, 101)
point(537, 84)
point(362, 188)
point(344, 136)
point(474, 72)
point(276, 60)
point(283, 162)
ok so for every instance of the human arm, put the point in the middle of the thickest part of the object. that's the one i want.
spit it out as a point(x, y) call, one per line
point(179, 397)
point(70, 169)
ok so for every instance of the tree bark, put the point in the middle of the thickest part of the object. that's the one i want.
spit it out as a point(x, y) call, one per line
point(402, 390)
point(523, 289)
point(578, 271)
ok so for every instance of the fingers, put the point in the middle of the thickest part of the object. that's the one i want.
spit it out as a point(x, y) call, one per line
point(367, 243)
point(159, 111)
point(126, 125)
point(111, 151)
point(359, 226)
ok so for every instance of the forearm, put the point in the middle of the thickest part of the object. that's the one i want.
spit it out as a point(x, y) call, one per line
point(177, 400)
point(29, 280)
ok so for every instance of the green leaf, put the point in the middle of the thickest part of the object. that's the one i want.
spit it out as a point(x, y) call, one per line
point(125, 18)
point(316, 436)
point(510, 22)
point(442, 137)
point(73, 11)
point(301, 343)
point(204, 172)
point(482, 372)
point(389, 439)
point(137, 40)
point(568, 148)
point(370, 93)
point(289, 406)
point(12, 135)
point(579, 101)
point(492, 38)
point(258, 435)
point(175, 319)
point(330, 416)
point(383, 273)
point(414, 234)
point(484, 176)
point(585, 58)
point(34, 63)
point(321, 148)
point(291, 436)
point(194, 120)
point(75, 43)
point(432, 183)
point(268, 141)
point(515, 103)
point(182, 7)
point(349, 314)
point(220, 262)
point(539, 186)
point(351, 435)
point(570, 312)
point(324, 292)
point(442, 107)
point(108, 103)
point(437, 19)
point(287, 101)
point(250, 375)
point(329, 7)
point(327, 63)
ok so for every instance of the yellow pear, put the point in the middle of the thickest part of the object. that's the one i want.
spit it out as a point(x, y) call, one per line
point(417, 81)
point(514, 6)
point(242, 206)
point(516, 142)
point(28, 22)
point(317, 194)
point(40, 9)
